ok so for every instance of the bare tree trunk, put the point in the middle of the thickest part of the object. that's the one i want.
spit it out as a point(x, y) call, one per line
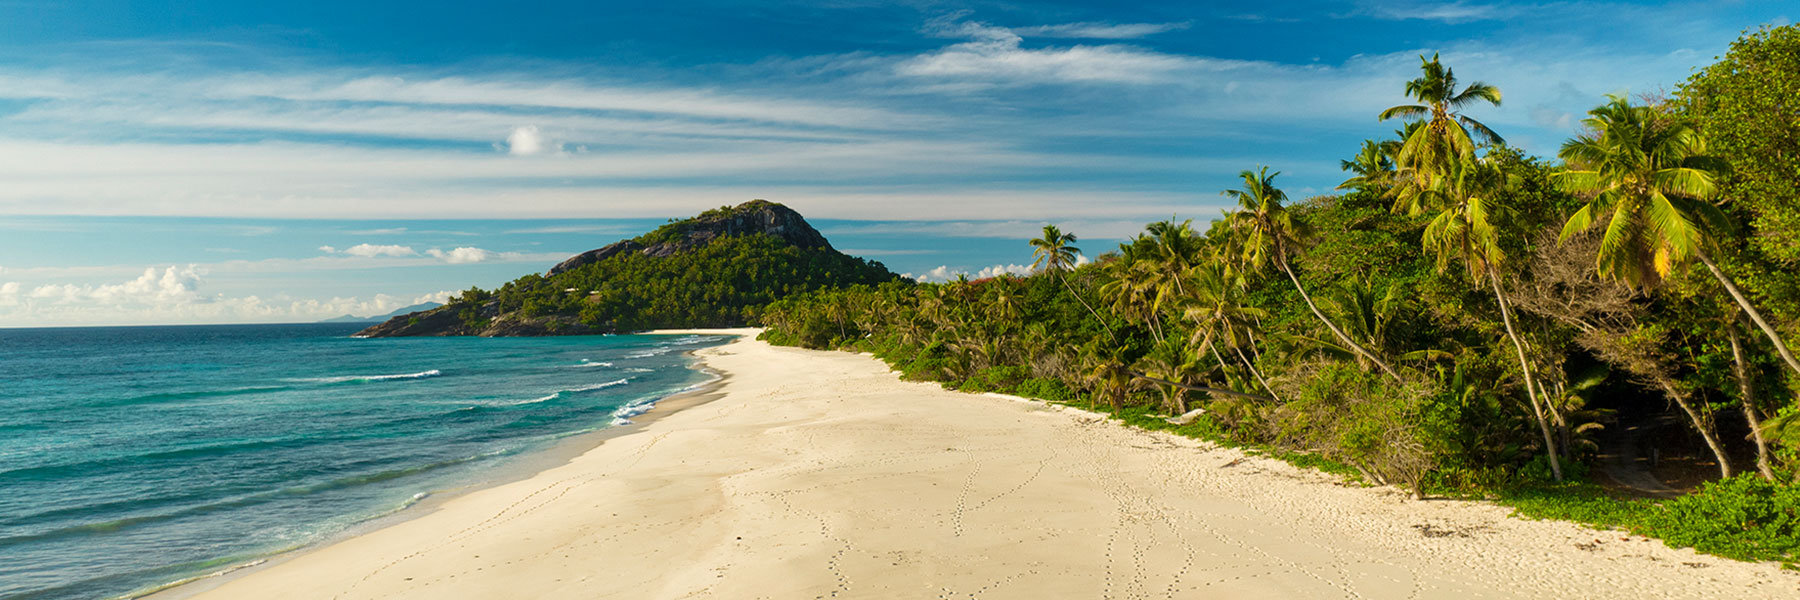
point(1084, 304)
point(1357, 348)
point(1556, 415)
point(1747, 394)
point(1750, 310)
point(1537, 407)
point(1701, 424)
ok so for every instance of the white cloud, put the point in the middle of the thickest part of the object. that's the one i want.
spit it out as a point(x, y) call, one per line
point(440, 297)
point(1447, 12)
point(993, 53)
point(981, 126)
point(1098, 229)
point(1100, 30)
point(366, 250)
point(174, 285)
point(998, 270)
point(529, 141)
point(944, 273)
point(328, 249)
point(173, 295)
point(462, 255)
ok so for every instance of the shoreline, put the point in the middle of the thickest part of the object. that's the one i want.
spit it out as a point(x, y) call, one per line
point(520, 468)
point(821, 474)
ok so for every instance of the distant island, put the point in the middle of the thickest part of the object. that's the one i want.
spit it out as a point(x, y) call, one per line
point(717, 269)
point(405, 310)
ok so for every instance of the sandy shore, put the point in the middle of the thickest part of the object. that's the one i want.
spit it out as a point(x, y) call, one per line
point(819, 474)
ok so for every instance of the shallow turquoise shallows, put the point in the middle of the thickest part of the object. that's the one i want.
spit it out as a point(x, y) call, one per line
point(131, 457)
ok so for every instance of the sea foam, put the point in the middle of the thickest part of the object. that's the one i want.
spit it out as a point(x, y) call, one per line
point(363, 378)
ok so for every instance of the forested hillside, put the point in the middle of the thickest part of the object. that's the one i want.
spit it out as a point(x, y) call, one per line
point(717, 269)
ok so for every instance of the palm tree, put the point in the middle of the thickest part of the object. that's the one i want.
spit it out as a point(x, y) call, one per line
point(1463, 229)
point(1269, 232)
point(1446, 134)
point(1651, 182)
point(1169, 366)
point(1131, 291)
point(1373, 167)
point(1219, 314)
point(1055, 253)
point(1112, 378)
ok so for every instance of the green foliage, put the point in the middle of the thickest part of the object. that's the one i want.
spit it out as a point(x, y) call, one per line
point(723, 283)
point(1004, 379)
point(1362, 419)
point(1743, 517)
point(1045, 388)
point(1744, 106)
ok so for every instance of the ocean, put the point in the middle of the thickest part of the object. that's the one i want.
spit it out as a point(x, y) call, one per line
point(131, 457)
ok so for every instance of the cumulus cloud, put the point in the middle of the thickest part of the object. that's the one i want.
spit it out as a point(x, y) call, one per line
point(440, 297)
point(998, 270)
point(173, 285)
point(529, 141)
point(457, 256)
point(173, 294)
point(944, 273)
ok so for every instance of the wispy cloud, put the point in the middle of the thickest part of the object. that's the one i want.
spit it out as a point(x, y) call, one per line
point(1101, 30)
point(373, 250)
point(994, 53)
point(1447, 12)
point(983, 124)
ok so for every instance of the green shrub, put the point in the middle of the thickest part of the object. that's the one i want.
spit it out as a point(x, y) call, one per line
point(1044, 388)
point(1744, 517)
point(1004, 379)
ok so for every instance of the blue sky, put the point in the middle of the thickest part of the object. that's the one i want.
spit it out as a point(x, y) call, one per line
point(200, 161)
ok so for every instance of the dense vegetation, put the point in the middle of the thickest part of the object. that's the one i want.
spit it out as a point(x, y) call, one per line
point(1462, 319)
point(721, 284)
point(706, 271)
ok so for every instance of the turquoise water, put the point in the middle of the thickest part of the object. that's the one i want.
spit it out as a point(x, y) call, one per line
point(135, 456)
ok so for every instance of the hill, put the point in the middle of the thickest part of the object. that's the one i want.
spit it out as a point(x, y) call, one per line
point(406, 310)
point(717, 269)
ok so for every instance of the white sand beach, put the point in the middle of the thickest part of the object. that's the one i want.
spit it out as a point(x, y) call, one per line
point(822, 475)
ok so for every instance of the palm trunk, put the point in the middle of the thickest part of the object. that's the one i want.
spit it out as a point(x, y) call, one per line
point(1360, 351)
point(1257, 374)
point(1084, 304)
point(1755, 316)
point(1747, 394)
point(1537, 407)
point(1702, 425)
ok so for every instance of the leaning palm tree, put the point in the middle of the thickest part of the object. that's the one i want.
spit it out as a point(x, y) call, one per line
point(1447, 134)
point(1056, 253)
point(1651, 182)
point(1269, 232)
point(1463, 229)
